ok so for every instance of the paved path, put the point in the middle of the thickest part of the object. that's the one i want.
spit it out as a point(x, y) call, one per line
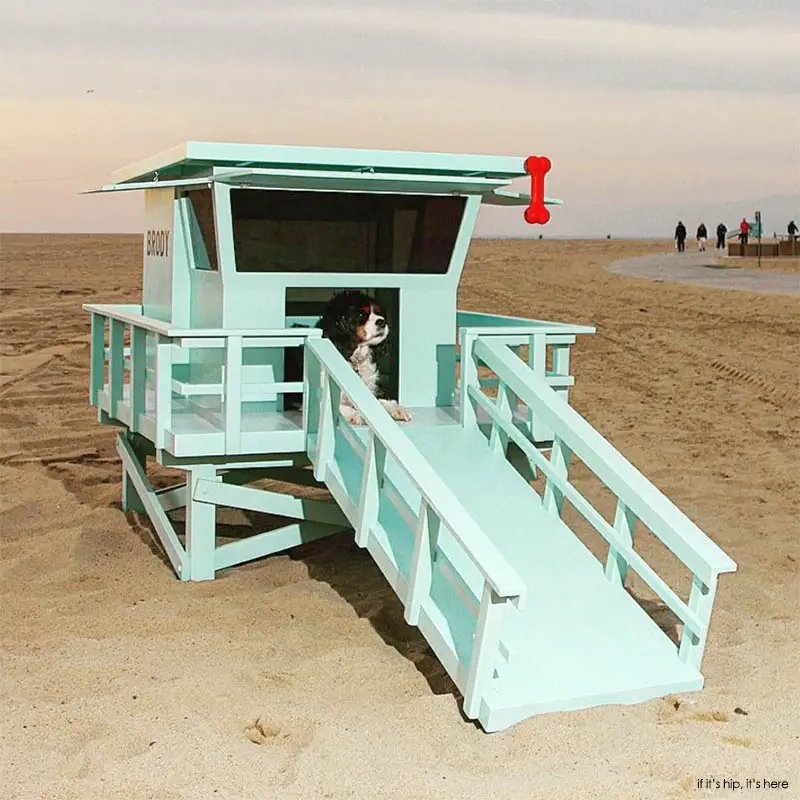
point(705, 269)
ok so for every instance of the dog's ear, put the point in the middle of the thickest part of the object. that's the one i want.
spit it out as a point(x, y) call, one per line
point(340, 331)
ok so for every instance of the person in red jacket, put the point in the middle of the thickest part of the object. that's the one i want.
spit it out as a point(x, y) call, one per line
point(744, 232)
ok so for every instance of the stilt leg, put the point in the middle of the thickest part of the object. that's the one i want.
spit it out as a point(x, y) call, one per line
point(200, 526)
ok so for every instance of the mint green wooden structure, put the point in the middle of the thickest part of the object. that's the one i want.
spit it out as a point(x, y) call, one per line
point(464, 508)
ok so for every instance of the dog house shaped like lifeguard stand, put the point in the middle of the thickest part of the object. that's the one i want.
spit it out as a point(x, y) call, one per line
point(243, 246)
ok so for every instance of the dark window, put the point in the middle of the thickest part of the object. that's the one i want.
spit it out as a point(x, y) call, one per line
point(205, 250)
point(282, 231)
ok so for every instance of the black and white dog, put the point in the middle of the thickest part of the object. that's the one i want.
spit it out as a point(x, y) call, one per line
point(356, 326)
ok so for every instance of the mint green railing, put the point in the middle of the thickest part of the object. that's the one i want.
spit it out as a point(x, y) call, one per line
point(327, 377)
point(637, 498)
point(139, 384)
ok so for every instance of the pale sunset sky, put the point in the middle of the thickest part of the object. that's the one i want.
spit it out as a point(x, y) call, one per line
point(649, 109)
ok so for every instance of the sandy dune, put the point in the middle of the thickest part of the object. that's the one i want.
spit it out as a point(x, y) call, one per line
point(295, 676)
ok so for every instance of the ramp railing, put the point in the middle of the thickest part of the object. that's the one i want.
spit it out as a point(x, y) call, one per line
point(548, 354)
point(636, 497)
point(327, 377)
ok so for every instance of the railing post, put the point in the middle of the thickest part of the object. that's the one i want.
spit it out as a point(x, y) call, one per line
point(138, 374)
point(537, 361)
point(624, 525)
point(164, 348)
point(97, 376)
point(485, 650)
point(326, 440)
point(232, 400)
point(426, 538)
point(498, 438)
point(701, 601)
point(311, 391)
point(559, 459)
point(561, 367)
point(469, 377)
point(371, 485)
point(116, 368)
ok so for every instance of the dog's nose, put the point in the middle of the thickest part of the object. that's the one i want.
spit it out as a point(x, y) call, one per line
point(380, 323)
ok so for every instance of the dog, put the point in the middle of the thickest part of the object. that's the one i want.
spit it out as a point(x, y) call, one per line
point(355, 324)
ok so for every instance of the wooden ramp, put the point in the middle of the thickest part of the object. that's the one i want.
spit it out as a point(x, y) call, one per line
point(523, 617)
point(579, 640)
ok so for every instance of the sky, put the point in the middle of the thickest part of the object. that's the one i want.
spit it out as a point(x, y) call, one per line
point(649, 109)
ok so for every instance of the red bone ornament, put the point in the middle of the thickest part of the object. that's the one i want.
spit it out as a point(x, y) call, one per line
point(537, 167)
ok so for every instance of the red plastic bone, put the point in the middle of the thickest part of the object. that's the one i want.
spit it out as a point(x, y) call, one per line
point(537, 167)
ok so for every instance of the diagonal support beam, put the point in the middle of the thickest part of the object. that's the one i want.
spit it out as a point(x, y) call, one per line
point(282, 505)
point(152, 505)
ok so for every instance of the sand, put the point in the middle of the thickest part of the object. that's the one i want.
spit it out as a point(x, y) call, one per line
point(295, 676)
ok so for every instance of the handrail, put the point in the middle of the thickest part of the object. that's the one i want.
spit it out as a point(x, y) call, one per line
point(144, 364)
point(651, 506)
point(501, 576)
point(482, 322)
point(127, 314)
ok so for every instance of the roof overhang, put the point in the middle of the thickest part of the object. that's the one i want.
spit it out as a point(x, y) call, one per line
point(199, 164)
point(195, 157)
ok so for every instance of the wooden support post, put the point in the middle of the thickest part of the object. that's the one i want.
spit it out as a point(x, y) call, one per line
point(164, 350)
point(371, 485)
point(624, 525)
point(233, 395)
point(138, 374)
point(201, 526)
point(537, 361)
point(116, 368)
point(469, 377)
point(312, 377)
point(426, 538)
point(326, 439)
point(701, 601)
point(553, 496)
point(498, 438)
point(97, 376)
point(485, 650)
point(561, 367)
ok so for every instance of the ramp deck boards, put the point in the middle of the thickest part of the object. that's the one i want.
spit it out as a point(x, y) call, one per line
point(579, 640)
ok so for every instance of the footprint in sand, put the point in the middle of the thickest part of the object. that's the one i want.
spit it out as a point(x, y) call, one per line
point(672, 709)
point(265, 732)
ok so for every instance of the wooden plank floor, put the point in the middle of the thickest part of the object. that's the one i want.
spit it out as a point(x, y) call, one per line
point(580, 640)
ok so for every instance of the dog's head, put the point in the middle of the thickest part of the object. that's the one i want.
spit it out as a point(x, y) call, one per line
point(352, 319)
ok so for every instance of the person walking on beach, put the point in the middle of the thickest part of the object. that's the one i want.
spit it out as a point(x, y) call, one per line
point(702, 237)
point(722, 230)
point(680, 236)
point(791, 229)
point(744, 233)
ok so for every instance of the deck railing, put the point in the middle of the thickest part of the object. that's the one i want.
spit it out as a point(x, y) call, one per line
point(140, 384)
point(327, 377)
point(637, 498)
point(548, 355)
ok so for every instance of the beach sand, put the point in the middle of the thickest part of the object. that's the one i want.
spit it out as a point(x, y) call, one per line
point(296, 676)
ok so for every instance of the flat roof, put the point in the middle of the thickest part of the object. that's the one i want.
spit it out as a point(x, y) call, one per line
point(199, 158)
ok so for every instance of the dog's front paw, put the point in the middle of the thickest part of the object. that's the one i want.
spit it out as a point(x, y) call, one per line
point(352, 416)
point(401, 414)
